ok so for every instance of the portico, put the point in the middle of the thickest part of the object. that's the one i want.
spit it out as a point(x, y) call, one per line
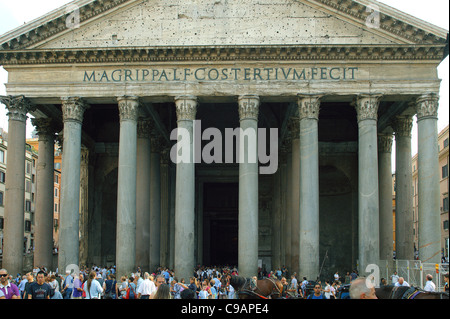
point(130, 106)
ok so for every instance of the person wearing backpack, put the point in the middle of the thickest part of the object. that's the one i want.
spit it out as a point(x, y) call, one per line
point(317, 293)
point(131, 291)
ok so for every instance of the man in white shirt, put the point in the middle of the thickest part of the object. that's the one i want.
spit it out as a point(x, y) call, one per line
point(394, 278)
point(430, 286)
point(401, 283)
point(147, 288)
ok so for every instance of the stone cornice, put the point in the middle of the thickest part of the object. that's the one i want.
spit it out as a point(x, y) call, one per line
point(225, 53)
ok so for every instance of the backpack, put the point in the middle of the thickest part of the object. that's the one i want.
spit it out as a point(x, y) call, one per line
point(130, 293)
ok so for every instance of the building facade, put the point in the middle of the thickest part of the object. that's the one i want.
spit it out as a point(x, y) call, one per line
point(142, 95)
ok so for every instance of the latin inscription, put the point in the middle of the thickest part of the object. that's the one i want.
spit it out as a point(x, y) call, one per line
point(222, 74)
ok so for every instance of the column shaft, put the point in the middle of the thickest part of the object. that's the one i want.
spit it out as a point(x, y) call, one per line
point(73, 109)
point(126, 193)
point(295, 197)
point(248, 186)
point(186, 107)
point(143, 194)
point(155, 204)
point(429, 197)
point(404, 235)
point(309, 186)
point(13, 230)
point(385, 191)
point(43, 252)
point(368, 198)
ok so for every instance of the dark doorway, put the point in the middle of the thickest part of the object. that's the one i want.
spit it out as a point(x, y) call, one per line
point(220, 223)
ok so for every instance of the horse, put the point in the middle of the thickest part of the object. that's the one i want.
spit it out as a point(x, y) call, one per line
point(393, 292)
point(265, 288)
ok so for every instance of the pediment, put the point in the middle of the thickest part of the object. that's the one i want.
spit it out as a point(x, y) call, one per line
point(126, 24)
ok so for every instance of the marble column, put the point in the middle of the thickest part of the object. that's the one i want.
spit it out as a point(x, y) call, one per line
point(288, 205)
point(155, 202)
point(428, 162)
point(13, 230)
point(165, 208)
point(385, 191)
point(143, 193)
point(126, 192)
point(184, 257)
point(308, 107)
point(248, 186)
point(43, 251)
point(294, 127)
point(73, 109)
point(404, 233)
point(368, 199)
point(276, 220)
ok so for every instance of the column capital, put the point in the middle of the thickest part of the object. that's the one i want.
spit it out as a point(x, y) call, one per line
point(385, 143)
point(18, 107)
point(309, 106)
point(402, 125)
point(186, 107)
point(46, 127)
point(128, 108)
point(73, 108)
point(294, 127)
point(367, 106)
point(248, 107)
point(427, 106)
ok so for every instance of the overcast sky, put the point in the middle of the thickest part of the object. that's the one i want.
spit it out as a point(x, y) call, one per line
point(14, 13)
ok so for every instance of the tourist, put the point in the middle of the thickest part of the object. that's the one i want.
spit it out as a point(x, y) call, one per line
point(77, 292)
point(39, 289)
point(394, 278)
point(401, 283)
point(430, 286)
point(446, 283)
point(147, 289)
point(92, 287)
point(109, 287)
point(67, 286)
point(360, 289)
point(204, 292)
point(317, 293)
point(8, 289)
point(163, 292)
point(122, 288)
point(30, 280)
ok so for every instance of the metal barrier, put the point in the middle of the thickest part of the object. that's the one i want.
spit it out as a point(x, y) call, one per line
point(414, 272)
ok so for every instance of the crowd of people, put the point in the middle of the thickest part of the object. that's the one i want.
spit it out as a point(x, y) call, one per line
point(206, 283)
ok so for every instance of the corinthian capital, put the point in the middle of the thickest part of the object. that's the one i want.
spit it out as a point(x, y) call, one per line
point(186, 106)
point(385, 143)
point(367, 106)
point(248, 107)
point(46, 128)
point(427, 106)
point(128, 108)
point(18, 107)
point(309, 106)
point(73, 109)
point(402, 126)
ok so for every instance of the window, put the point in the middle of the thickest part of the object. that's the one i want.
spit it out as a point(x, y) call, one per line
point(57, 165)
point(56, 192)
point(56, 179)
point(28, 206)
point(28, 186)
point(445, 204)
point(1, 222)
point(2, 177)
point(2, 156)
point(445, 171)
point(446, 142)
point(445, 224)
point(56, 208)
point(1, 198)
point(28, 168)
point(27, 226)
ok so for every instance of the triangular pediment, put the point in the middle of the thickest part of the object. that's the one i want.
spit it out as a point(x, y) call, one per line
point(140, 23)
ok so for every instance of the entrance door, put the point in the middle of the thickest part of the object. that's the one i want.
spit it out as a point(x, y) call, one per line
point(220, 224)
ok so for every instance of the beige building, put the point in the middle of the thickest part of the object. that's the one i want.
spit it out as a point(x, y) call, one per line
point(142, 93)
